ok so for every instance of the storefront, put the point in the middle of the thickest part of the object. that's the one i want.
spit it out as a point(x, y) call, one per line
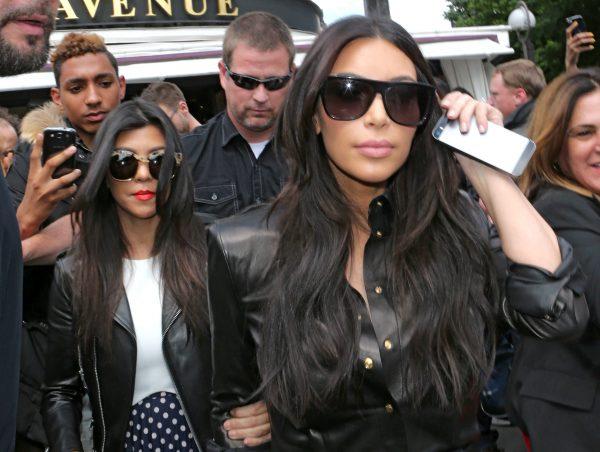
point(174, 40)
point(180, 41)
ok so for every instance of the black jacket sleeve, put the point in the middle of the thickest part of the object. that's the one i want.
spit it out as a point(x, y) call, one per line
point(17, 175)
point(63, 389)
point(235, 377)
point(547, 305)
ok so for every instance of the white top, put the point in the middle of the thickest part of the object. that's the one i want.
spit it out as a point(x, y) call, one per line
point(141, 279)
point(257, 148)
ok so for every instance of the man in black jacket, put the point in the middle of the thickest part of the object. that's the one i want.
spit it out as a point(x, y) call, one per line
point(88, 88)
point(513, 89)
point(25, 27)
point(232, 159)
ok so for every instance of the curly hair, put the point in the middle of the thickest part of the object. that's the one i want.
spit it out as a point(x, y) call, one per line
point(79, 44)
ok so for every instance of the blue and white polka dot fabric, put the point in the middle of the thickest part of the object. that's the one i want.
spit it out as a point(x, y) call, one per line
point(158, 424)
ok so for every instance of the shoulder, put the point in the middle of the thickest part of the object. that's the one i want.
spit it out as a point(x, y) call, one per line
point(254, 224)
point(201, 132)
point(563, 208)
point(247, 241)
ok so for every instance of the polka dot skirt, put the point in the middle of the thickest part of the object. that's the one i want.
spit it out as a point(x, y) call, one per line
point(158, 424)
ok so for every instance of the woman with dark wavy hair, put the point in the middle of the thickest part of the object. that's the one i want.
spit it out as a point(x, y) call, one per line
point(554, 386)
point(128, 313)
point(362, 304)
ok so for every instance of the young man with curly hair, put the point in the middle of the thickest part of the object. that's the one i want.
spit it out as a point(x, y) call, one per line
point(88, 87)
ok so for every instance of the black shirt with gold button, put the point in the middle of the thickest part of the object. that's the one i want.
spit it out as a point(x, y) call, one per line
point(373, 415)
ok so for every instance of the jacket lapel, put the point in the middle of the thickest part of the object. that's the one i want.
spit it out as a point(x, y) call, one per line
point(123, 315)
point(170, 311)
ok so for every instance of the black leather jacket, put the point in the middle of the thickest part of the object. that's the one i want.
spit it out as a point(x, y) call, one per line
point(109, 376)
point(240, 251)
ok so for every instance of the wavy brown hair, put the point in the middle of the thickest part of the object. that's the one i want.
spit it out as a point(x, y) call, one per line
point(441, 279)
point(101, 245)
point(548, 129)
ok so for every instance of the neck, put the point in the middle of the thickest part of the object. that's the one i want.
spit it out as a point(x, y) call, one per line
point(140, 234)
point(193, 123)
point(360, 196)
point(87, 138)
point(251, 136)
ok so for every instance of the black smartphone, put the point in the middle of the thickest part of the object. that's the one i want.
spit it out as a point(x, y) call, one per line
point(57, 139)
point(580, 28)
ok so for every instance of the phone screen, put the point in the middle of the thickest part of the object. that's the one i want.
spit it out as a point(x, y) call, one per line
point(498, 147)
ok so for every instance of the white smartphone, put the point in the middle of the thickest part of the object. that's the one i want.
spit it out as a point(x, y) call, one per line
point(498, 147)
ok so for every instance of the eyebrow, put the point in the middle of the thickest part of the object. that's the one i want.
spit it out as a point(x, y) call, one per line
point(400, 78)
point(154, 149)
point(84, 80)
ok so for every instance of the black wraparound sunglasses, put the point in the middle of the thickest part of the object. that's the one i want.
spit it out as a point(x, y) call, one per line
point(124, 163)
point(349, 98)
point(249, 83)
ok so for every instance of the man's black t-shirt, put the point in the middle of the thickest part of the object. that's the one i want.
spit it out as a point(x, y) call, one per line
point(227, 176)
point(11, 284)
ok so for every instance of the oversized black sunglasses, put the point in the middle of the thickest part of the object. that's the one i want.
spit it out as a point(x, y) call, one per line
point(249, 83)
point(348, 98)
point(124, 163)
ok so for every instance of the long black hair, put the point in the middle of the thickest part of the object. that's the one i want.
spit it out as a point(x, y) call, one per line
point(442, 284)
point(101, 245)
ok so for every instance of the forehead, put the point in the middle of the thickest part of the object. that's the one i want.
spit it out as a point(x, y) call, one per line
point(251, 61)
point(587, 110)
point(358, 58)
point(141, 139)
point(86, 67)
point(497, 82)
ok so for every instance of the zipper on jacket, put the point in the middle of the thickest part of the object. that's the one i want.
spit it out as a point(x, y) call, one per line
point(81, 374)
point(190, 425)
point(99, 400)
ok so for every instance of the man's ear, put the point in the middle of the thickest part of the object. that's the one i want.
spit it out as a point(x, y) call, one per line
point(122, 87)
point(222, 74)
point(183, 106)
point(521, 96)
point(55, 96)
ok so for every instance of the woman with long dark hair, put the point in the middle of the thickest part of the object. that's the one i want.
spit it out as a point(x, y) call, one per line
point(362, 304)
point(554, 385)
point(128, 312)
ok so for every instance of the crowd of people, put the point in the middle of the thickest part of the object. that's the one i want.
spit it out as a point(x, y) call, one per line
point(305, 271)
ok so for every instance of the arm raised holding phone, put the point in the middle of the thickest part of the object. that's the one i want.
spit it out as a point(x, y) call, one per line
point(43, 192)
point(578, 40)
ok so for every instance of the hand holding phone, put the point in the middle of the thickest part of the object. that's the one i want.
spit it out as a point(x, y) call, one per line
point(578, 40)
point(44, 190)
point(498, 147)
point(56, 140)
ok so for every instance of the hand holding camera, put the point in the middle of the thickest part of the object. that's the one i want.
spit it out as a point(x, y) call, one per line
point(578, 40)
point(50, 180)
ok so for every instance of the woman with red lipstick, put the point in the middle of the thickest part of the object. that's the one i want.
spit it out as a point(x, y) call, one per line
point(362, 304)
point(128, 318)
point(563, 182)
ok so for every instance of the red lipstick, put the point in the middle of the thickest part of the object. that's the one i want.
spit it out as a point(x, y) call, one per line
point(144, 195)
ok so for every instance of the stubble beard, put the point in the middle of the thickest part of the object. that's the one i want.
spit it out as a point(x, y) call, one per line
point(13, 59)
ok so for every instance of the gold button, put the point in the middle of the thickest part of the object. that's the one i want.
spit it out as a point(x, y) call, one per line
point(378, 290)
point(389, 409)
point(387, 344)
point(368, 363)
point(378, 234)
point(359, 317)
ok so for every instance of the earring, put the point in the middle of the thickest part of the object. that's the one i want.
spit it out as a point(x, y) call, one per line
point(556, 167)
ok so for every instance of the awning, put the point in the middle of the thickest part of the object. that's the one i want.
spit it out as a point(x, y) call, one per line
point(147, 55)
